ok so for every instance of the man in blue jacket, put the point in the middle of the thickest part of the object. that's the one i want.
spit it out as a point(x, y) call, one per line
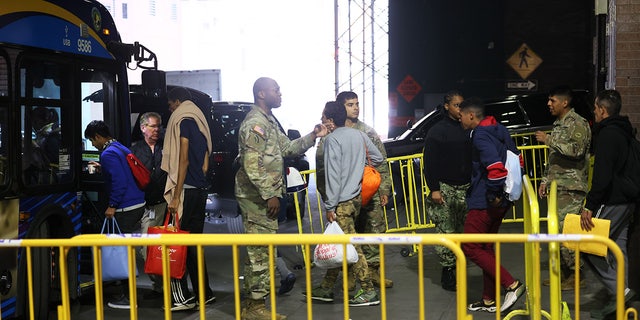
point(126, 200)
point(487, 202)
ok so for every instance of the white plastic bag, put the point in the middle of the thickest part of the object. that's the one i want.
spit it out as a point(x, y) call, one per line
point(329, 256)
point(513, 182)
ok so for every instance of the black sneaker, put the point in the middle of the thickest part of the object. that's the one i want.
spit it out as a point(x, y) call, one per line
point(120, 303)
point(482, 306)
point(610, 308)
point(287, 284)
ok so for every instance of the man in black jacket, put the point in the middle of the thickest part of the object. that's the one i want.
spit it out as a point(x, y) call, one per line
point(149, 151)
point(607, 199)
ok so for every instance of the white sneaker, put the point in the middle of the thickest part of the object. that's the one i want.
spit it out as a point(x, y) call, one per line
point(188, 304)
point(512, 296)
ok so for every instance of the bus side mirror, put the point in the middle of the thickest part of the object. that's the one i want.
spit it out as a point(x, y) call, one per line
point(154, 84)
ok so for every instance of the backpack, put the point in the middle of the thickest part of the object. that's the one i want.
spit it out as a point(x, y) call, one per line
point(141, 174)
point(629, 176)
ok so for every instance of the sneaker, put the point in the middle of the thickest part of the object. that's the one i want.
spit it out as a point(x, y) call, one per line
point(610, 308)
point(512, 296)
point(208, 300)
point(321, 294)
point(287, 284)
point(188, 304)
point(482, 306)
point(364, 298)
point(120, 303)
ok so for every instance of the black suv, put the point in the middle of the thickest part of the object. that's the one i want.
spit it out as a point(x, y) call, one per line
point(519, 113)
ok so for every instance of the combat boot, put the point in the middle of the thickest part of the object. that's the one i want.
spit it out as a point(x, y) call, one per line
point(374, 275)
point(256, 310)
point(567, 283)
point(448, 280)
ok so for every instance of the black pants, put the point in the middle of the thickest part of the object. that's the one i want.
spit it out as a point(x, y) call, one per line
point(192, 220)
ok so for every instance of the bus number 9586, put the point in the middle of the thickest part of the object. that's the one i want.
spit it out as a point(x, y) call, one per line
point(84, 45)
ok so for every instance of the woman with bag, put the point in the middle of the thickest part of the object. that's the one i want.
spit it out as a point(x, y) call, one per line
point(126, 200)
point(345, 155)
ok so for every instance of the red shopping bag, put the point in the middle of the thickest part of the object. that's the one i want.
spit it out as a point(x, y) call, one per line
point(177, 254)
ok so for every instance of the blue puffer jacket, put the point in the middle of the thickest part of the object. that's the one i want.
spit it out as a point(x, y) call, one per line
point(490, 141)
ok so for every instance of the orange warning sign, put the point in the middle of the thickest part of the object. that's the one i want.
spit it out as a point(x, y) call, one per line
point(409, 88)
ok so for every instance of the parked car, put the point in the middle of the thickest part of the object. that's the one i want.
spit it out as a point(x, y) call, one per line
point(519, 113)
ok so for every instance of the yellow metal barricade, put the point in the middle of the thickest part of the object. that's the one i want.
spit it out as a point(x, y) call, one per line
point(409, 191)
point(555, 293)
point(451, 241)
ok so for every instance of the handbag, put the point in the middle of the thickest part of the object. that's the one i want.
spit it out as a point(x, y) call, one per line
point(330, 255)
point(571, 225)
point(370, 180)
point(115, 261)
point(177, 254)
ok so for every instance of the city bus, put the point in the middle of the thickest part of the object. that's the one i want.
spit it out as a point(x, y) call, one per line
point(53, 55)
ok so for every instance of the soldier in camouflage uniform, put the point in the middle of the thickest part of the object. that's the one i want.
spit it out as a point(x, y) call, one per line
point(371, 218)
point(568, 164)
point(260, 185)
point(448, 179)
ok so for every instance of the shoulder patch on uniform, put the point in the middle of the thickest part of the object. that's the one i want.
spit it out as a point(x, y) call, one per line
point(259, 130)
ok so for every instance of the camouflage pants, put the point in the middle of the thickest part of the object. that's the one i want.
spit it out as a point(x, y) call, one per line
point(371, 220)
point(568, 201)
point(449, 217)
point(347, 213)
point(256, 268)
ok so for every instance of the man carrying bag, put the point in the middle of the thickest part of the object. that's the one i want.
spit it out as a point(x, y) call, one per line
point(126, 200)
point(607, 198)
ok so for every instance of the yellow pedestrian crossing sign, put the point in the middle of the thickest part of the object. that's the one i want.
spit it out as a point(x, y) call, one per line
point(524, 61)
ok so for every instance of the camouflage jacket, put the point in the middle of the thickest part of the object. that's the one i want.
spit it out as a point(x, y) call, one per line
point(568, 161)
point(262, 147)
point(383, 168)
